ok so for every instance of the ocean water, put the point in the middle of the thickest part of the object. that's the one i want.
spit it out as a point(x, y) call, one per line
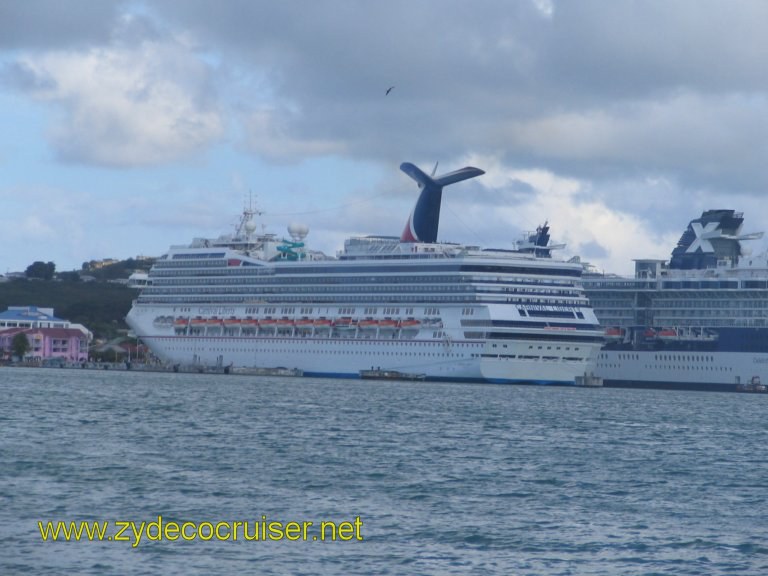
point(445, 478)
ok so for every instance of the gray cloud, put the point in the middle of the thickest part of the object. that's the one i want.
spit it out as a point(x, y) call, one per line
point(42, 24)
point(593, 89)
point(648, 105)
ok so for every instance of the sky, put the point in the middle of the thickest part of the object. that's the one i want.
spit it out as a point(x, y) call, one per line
point(127, 127)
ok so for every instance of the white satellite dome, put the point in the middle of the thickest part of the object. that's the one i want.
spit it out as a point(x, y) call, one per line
point(298, 231)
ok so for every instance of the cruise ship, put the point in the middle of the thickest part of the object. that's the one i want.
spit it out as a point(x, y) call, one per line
point(406, 304)
point(697, 321)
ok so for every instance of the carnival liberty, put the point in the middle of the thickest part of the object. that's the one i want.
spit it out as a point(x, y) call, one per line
point(408, 304)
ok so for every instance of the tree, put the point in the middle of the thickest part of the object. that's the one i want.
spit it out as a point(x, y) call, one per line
point(20, 345)
point(69, 276)
point(41, 270)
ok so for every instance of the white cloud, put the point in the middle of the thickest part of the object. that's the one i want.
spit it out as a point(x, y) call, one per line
point(606, 236)
point(34, 227)
point(127, 106)
point(545, 7)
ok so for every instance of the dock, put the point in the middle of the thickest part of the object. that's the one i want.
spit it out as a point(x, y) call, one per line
point(390, 375)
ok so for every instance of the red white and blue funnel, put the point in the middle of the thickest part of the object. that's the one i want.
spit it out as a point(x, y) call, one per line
point(425, 218)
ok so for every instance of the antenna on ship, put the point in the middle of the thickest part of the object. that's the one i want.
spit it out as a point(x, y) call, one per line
point(537, 243)
point(247, 226)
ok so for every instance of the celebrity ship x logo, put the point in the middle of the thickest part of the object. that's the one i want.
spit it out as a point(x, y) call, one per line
point(703, 236)
point(713, 237)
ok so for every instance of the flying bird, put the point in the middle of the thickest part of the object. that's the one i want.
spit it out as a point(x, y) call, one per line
point(388, 91)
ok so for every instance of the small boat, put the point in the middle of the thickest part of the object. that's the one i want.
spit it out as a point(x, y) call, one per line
point(387, 324)
point(589, 380)
point(304, 323)
point(667, 334)
point(180, 325)
point(232, 322)
point(256, 371)
point(754, 385)
point(614, 333)
point(410, 324)
point(368, 324)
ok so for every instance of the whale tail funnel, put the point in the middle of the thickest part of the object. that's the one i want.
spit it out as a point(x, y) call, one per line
point(425, 218)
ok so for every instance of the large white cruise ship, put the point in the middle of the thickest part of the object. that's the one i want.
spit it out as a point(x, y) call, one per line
point(409, 304)
point(698, 321)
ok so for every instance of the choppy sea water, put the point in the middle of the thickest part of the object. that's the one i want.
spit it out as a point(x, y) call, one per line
point(445, 478)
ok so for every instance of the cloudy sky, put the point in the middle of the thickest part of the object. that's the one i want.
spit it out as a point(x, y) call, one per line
point(130, 126)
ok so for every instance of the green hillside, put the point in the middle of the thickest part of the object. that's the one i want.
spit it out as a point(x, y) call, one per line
point(99, 306)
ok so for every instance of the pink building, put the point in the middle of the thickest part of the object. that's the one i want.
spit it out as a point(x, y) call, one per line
point(49, 337)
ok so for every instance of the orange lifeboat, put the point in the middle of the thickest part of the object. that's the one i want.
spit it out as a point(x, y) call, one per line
point(667, 334)
point(614, 333)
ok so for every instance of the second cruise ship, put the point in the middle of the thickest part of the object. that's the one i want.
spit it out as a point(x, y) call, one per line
point(696, 321)
point(408, 304)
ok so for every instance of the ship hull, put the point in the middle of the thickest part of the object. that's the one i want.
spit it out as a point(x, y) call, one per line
point(444, 358)
point(682, 370)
